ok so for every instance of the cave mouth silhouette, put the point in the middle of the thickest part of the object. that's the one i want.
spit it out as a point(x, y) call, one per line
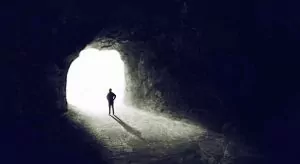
point(89, 78)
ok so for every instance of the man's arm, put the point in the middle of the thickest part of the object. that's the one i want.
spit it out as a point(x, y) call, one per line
point(115, 96)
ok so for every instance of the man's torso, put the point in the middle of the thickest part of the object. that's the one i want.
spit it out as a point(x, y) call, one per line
point(110, 96)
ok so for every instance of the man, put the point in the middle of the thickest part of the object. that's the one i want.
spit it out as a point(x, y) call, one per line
point(111, 97)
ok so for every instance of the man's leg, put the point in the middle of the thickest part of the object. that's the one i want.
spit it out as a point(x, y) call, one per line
point(108, 108)
point(113, 109)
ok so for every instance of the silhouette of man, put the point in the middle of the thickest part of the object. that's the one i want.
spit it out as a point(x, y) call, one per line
point(111, 97)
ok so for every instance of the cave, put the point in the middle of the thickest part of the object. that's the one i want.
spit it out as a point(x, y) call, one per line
point(222, 75)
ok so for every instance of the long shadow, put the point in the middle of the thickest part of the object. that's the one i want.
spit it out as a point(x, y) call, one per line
point(128, 128)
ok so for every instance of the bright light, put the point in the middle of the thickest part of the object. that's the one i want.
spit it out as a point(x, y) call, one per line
point(89, 78)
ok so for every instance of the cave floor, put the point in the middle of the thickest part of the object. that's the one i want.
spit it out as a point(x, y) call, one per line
point(136, 136)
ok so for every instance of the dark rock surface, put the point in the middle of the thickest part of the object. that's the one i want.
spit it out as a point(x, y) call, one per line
point(222, 61)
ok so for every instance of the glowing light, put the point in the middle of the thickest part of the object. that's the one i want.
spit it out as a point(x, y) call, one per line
point(89, 78)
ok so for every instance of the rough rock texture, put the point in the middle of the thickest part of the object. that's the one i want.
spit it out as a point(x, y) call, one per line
point(234, 61)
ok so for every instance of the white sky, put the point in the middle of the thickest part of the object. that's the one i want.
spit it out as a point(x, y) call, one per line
point(91, 75)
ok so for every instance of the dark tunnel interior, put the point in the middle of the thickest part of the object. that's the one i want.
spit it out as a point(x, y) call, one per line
point(220, 63)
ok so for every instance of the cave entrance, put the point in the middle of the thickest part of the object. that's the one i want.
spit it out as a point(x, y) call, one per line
point(89, 78)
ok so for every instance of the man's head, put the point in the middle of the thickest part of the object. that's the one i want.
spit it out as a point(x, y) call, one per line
point(110, 89)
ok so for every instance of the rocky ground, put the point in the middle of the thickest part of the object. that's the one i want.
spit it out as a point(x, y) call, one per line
point(135, 136)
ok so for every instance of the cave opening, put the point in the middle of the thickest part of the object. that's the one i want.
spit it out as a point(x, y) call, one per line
point(89, 78)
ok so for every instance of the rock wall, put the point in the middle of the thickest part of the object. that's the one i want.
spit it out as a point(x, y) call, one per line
point(225, 58)
point(168, 70)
